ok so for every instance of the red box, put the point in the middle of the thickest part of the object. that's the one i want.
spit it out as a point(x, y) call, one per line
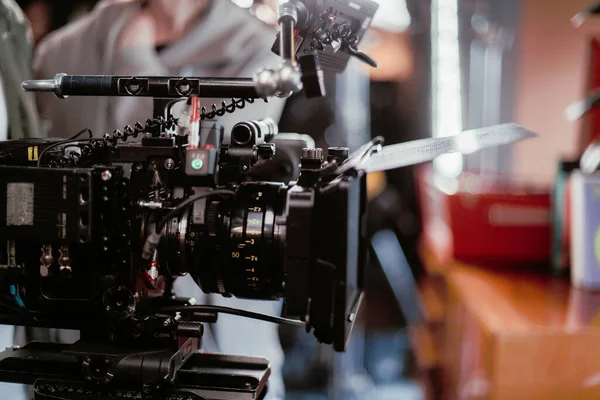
point(485, 219)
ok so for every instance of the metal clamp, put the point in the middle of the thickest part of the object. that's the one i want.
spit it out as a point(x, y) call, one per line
point(282, 82)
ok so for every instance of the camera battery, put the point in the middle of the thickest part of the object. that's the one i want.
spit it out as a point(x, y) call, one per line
point(200, 162)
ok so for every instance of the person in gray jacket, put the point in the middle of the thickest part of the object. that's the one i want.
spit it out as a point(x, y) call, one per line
point(167, 37)
point(209, 38)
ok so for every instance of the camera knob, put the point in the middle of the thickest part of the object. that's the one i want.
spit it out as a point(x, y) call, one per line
point(339, 154)
point(47, 258)
point(190, 329)
point(119, 302)
point(266, 151)
point(312, 159)
point(100, 369)
point(312, 154)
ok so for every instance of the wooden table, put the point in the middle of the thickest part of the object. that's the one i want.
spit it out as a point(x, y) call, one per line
point(501, 333)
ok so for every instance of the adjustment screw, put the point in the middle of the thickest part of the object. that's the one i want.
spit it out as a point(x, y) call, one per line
point(190, 329)
point(169, 163)
point(106, 176)
point(133, 86)
point(312, 154)
point(312, 159)
point(337, 153)
point(266, 151)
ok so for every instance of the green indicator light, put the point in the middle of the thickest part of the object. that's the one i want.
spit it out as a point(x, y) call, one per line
point(197, 163)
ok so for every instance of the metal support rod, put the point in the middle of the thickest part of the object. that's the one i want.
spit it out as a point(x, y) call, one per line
point(64, 85)
point(287, 47)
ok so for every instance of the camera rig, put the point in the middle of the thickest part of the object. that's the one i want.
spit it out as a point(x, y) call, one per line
point(95, 230)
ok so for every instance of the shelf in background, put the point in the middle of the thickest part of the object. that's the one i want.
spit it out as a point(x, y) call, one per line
point(508, 333)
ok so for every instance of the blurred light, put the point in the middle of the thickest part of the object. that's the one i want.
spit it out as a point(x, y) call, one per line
point(446, 85)
point(392, 16)
point(468, 143)
point(376, 182)
point(3, 114)
point(266, 14)
point(473, 184)
point(448, 186)
point(244, 3)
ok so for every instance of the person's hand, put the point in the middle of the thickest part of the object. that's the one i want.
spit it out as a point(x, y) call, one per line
point(141, 31)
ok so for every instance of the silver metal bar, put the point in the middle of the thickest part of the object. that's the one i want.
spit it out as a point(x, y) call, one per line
point(424, 150)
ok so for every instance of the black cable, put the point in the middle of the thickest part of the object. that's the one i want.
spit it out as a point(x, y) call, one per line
point(153, 238)
point(81, 133)
point(233, 311)
point(10, 307)
point(72, 138)
point(9, 152)
point(61, 143)
point(7, 303)
point(179, 207)
point(236, 104)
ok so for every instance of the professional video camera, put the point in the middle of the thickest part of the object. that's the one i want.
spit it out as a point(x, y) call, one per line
point(95, 230)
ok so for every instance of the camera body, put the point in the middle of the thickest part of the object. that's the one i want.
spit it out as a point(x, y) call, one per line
point(76, 250)
point(94, 232)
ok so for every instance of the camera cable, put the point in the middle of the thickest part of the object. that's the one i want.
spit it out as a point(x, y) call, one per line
point(61, 143)
point(153, 238)
point(58, 143)
point(179, 207)
point(233, 311)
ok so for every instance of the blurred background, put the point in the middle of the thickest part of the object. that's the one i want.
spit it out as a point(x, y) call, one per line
point(427, 329)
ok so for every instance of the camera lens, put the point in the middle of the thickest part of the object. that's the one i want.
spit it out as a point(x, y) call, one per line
point(262, 131)
point(268, 128)
point(239, 250)
point(241, 134)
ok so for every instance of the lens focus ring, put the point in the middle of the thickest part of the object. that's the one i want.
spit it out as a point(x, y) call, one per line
point(242, 255)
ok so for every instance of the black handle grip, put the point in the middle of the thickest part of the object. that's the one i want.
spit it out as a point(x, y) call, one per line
point(88, 85)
